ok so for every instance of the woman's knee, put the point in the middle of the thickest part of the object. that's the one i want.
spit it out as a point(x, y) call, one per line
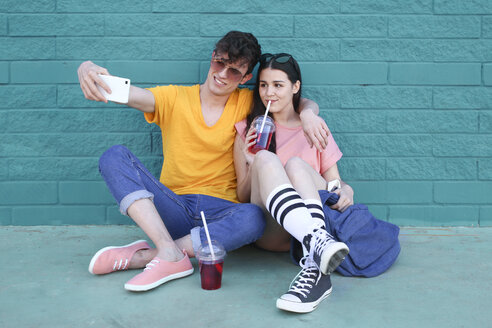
point(265, 160)
point(294, 166)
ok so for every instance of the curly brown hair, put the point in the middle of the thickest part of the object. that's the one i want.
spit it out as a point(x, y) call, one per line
point(241, 47)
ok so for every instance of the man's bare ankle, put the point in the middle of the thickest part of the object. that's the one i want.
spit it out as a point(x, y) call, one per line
point(172, 254)
point(142, 257)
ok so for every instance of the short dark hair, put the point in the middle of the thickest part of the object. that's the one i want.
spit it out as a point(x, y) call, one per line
point(240, 47)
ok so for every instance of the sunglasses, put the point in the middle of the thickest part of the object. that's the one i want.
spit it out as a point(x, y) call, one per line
point(218, 64)
point(281, 58)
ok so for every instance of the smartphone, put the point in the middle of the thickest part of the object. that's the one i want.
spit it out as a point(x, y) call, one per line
point(120, 88)
point(333, 185)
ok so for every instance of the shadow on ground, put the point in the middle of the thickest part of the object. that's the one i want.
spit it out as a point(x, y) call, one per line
point(441, 279)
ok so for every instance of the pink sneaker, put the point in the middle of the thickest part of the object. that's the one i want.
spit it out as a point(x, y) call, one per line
point(158, 272)
point(115, 258)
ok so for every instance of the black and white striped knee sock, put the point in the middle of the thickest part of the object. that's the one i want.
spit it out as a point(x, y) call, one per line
point(290, 211)
point(316, 209)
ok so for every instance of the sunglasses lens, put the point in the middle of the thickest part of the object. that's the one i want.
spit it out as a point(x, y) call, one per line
point(282, 59)
point(217, 65)
point(233, 74)
point(279, 58)
point(266, 57)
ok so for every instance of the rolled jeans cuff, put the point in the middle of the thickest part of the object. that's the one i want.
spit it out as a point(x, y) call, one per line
point(132, 197)
point(196, 239)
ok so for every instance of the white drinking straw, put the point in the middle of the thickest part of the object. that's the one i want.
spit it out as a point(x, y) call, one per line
point(208, 235)
point(264, 117)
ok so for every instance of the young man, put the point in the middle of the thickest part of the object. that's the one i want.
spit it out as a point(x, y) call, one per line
point(197, 174)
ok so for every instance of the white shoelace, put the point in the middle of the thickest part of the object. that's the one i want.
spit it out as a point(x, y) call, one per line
point(151, 264)
point(305, 279)
point(119, 266)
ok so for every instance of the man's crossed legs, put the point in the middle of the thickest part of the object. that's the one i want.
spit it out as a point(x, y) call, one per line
point(171, 221)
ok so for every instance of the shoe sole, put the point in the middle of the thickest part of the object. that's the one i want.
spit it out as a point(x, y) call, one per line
point(299, 307)
point(102, 250)
point(332, 257)
point(143, 288)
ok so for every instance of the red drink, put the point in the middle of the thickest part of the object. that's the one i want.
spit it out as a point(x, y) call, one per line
point(262, 142)
point(211, 274)
point(264, 130)
point(211, 265)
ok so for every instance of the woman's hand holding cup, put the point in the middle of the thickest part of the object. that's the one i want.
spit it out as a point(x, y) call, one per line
point(249, 142)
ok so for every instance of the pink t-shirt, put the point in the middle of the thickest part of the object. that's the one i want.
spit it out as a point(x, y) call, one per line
point(291, 142)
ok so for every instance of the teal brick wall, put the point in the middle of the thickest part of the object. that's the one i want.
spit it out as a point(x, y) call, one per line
point(405, 86)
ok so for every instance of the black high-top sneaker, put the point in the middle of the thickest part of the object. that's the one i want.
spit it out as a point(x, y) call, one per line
point(325, 251)
point(306, 291)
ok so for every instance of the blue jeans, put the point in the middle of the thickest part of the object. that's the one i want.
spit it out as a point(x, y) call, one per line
point(233, 225)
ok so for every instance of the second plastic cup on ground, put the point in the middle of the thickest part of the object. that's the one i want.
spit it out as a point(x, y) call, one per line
point(264, 137)
point(211, 267)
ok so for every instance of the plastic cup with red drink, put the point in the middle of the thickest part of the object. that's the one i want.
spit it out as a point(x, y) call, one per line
point(263, 137)
point(211, 264)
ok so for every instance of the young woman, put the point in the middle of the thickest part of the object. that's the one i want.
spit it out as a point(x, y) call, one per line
point(285, 181)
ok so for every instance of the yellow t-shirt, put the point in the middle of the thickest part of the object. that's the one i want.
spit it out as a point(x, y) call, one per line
point(198, 159)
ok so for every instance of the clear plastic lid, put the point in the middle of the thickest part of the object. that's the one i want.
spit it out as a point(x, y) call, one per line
point(204, 253)
point(269, 122)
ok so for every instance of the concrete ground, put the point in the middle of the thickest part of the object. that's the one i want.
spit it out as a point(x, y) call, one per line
point(441, 279)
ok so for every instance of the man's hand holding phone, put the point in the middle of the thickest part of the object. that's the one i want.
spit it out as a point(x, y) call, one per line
point(88, 73)
point(120, 88)
point(98, 85)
